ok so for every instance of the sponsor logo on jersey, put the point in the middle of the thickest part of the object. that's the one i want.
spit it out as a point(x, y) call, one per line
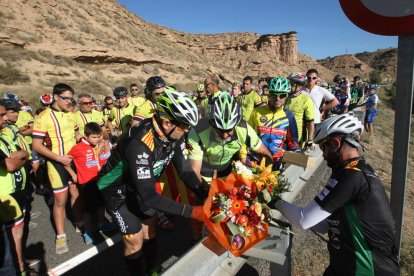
point(331, 184)
point(143, 156)
point(263, 119)
point(143, 173)
point(91, 163)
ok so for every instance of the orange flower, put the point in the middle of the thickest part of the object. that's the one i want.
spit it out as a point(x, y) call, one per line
point(237, 206)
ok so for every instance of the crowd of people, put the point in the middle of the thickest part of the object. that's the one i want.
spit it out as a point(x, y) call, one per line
point(115, 156)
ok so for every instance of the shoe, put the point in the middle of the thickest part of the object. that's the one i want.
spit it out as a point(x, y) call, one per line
point(32, 225)
point(88, 237)
point(35, 215)
point(106, 227)
point(61, 245)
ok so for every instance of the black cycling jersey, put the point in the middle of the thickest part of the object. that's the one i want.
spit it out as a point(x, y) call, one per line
point(362, 232)
point(137, 163)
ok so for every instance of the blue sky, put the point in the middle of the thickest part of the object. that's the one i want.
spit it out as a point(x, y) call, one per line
point(323, 29)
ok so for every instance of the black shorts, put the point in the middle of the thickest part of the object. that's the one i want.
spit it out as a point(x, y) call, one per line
point(92, 197)
point(129, 217)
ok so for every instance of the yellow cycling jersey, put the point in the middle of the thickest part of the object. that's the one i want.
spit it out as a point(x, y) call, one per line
point(137, 101)
point(121, 117)
point(10, 182)
point(302, 108)
point(248, 102)
point(13, 132)
point(146, 110)
point(59, 126)
point(83, 118)
point(25, 119)
point(204, 104)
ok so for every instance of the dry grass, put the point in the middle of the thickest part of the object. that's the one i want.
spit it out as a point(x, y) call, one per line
point(9, 75)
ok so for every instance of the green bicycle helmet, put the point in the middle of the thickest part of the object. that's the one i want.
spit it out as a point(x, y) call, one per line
point(279, 86)
point(178, 106)
point(225, 112)
point(200, 87)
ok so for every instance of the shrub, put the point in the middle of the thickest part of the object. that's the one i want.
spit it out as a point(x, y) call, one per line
point(375, 77)
point(11, 75)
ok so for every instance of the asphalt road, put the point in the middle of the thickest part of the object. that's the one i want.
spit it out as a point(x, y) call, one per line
point(172, 244)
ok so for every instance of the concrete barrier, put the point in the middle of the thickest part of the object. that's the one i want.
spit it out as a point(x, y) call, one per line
point(200, 261)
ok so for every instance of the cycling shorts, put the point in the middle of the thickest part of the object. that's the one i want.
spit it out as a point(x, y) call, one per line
point(129, 217)
point(91, 196)
point(59, 178)
point(12, 209)
point(370, 116)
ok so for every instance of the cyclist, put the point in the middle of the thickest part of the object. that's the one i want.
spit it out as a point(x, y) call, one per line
point(87, 114)
point(201, 95)
point(128, 178)
point(357, 93)
point(135, 100)
point(59, 125)
point(249, 99)
point(275, 125)
point(215, 142)
point(154, 86)
point(353, 207)
point(211, 85)
point(301, 106)
point(371, 109)
point(12, 195)
point(121, 114)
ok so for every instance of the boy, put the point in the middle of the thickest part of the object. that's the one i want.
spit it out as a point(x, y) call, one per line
point(89, 156)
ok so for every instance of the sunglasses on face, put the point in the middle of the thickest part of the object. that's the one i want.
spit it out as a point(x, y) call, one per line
point(86, 103)
point(280, 96)
point(312, 78)
point(110, 103)
point(134, 89)
point(181, 126)
point(118, 98)
point(66, 98)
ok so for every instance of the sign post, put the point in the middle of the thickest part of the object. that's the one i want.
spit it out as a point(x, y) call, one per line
point(395, 17)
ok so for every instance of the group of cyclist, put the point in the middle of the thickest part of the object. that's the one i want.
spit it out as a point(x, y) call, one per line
point(127, 147)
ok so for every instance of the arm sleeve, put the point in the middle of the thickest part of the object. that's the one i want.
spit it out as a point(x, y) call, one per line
point(292, 132)
point(195, 152)
point(255, 141)
point(309, 109)
point(340, 190)
point(184, 169)
point(306, 217)
point(39, 127)
point(140, 160)
point(74, 152)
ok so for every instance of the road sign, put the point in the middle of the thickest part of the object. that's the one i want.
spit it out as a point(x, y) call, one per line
point(383, 17)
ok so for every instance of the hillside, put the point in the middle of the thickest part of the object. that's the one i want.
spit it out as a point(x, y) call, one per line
point(361, 64)
point(98, 44)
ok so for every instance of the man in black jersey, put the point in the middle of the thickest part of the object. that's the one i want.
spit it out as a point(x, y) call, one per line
point(353, 207)
point(128, 179)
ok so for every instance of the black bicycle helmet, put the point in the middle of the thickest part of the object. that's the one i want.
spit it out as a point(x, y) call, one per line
point(10, 104)
point(120, 92)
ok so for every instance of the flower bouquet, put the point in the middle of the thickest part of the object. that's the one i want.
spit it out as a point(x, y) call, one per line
point(237, 206)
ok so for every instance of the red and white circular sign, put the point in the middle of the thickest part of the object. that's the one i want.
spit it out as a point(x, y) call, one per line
point(383, 17)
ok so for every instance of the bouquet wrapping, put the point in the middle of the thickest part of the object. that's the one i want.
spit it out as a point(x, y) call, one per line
point(237, 206)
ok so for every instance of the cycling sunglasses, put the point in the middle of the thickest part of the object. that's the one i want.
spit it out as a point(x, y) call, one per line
point(281, 96)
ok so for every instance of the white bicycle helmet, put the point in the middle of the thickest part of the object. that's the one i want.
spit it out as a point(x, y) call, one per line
point(179, 106)
point(345, 124)
point(11, 96)
point(46, 99)
point(225, 112)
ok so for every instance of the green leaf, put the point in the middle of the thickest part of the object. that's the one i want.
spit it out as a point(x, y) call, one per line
point(233, 228)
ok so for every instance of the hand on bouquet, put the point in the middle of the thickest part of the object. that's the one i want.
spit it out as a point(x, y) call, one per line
point(272, 203)
point(277, 157)
point(198, 213)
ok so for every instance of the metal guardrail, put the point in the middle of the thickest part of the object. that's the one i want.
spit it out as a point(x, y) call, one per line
point(200, 261)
